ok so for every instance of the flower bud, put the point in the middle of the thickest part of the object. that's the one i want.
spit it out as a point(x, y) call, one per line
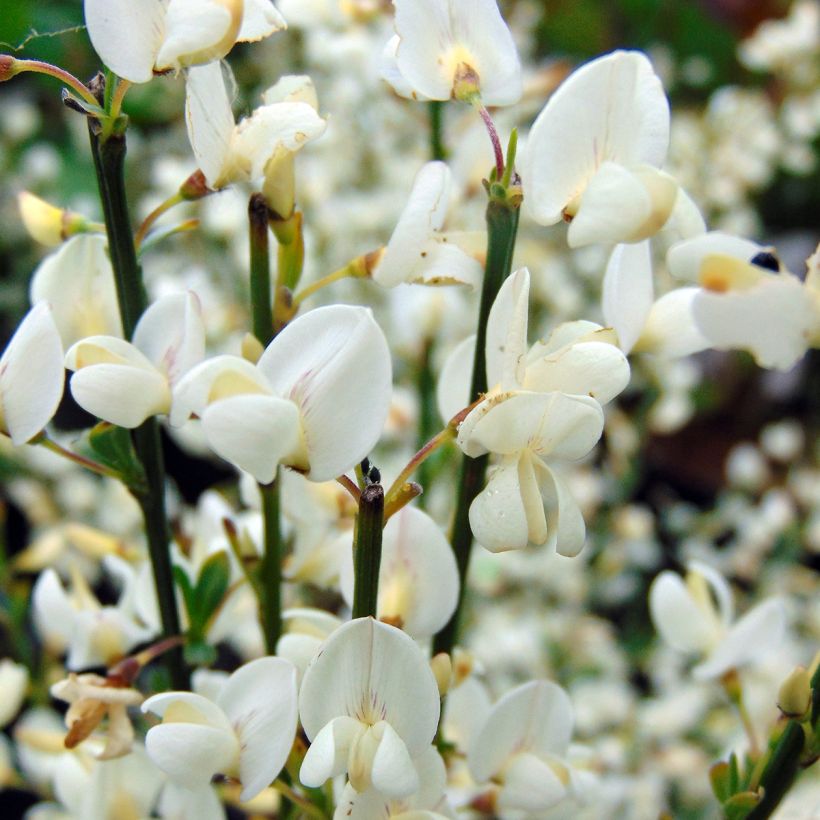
point(46, 223)
point(8, 67)
point(794, 697)
point(195, 187)
point(442, 668)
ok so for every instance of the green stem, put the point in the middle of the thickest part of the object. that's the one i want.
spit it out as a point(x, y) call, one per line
point(109, 164)
point(270, 569)
point(261, 303)
point(502, 225)
point(781, 770)
point(367, 556)
point(87, 463)
point(435, 109)
point(426, 388)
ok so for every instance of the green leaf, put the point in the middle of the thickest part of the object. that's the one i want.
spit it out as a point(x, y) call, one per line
point(211, 587)
point(186, 588)
point(740, 805)
point(112, 446)
point(720, 776)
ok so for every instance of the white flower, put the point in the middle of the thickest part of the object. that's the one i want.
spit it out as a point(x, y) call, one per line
point(124, 382)
point(418, 250)
point(369, 704)
point(695, 615)
point(246, 733)
point(453, 48)
point(594, 153)
point(13, 686)
point(746, 301)
point(418, 577)
point(78, 282)
point(31, 376)
point(228, 152)
point(45, 222)
point(523, 746)
point(545, 405)
point(316, 400)
point(136, 39)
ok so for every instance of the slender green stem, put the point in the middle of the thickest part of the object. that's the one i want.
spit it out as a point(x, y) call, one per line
point(40, 67)
point(270, 569)
point(355, 268)
point(261, 303)
point(426, 389)
point(87, 463)
point(424, 452)
point(367, 556)
point(502, 225)
point(435, 109)
point(498, 153)
point(780, 771)
point(109, 164)
point(149, 220)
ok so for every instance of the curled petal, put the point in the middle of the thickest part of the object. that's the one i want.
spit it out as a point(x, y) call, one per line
point(567, 530)
point(328, 753)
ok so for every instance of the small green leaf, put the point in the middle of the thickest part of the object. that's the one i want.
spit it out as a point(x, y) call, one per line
point(740, 805)
point(734, 774)
point(211, 587)
point(186, 588)
point(720, 776)
point(112, 446)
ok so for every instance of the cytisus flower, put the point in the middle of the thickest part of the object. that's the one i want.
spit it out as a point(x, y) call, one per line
point(316, 400)
point(695, 615)
point(31, 376)
point(137, 39)
point(126, 382)
point(453, 48)
point(747, 301)
point(594, 153)
point(254, 148)
point(419, 251)
point(246, 733)
point(369, 704)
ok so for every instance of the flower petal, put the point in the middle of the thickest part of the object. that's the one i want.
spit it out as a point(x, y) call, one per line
point(198, 31)
point(126, 35)
point(685, 259)
point(31, 375)
point(567, 530)
point(506, 345)
point(393, 772)
point(530, 785)
point(260, 20)
point(254, 432)
point(498, 517)
point(329, 749)
point(259, 699)
point(628, 292)
point(677, 617)
point(670, 328)
point(334, 363)
point(453, 388)
point(612, 108)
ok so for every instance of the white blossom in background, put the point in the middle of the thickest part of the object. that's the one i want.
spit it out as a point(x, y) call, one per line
point(522, 747)
point(369, 704)
point(418, 577)
point(13, 686)
point(452, 48)
point(77, 280)
point(746, 301)
point(137, 39)
point(419, 250)
point(254, 148)
point(594, 154)
point(126, 382)
point(544, 407)
point(31, 376)
point(305, 629)
point(316, 400)
point(246, 733)
point(47, 223)
point(695, 615)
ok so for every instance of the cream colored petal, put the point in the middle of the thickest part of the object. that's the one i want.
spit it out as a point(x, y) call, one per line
point(260, 20)
point(628, 291)
point(498, 517)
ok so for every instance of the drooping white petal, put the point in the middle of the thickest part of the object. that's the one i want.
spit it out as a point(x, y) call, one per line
point(530, 784)
point(465, 710)
point(260, 701)
point(611, 109)
point(567, 530)
point(685, 259)
point(334, 363)
point(759, 632)
point(534, 717)
point(78, 282)
point(376, 672)
point(31, 376)
point(260, 20)
point(393, 772)
point(198, 31)
point(171, 334)
point(498, 517)
point(670, 328)
point(774, 320)
point(628, 292)
point(506, 345)
point(453, 388)
point(423, 214)
point(126, 35)
point(120, 393)
point(680, 621)
point(622, 204)
point(210, 121)
point(254, 432)
point(328, 752)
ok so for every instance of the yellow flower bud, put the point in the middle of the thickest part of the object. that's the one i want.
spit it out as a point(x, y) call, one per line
point(794, 697)
point(442, 668)
point(46, 223)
